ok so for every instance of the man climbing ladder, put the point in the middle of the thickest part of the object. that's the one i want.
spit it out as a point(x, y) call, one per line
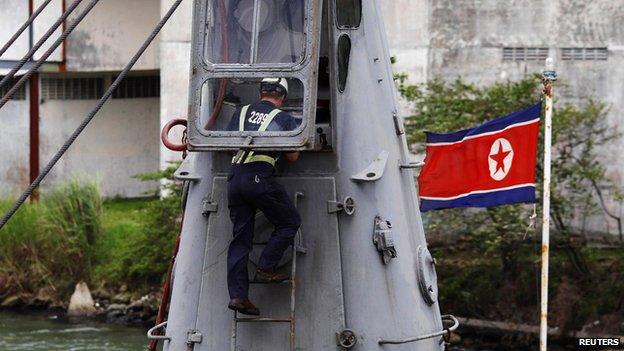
point(252, 186)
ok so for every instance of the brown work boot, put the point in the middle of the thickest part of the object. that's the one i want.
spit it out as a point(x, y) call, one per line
point(244, 306)
point(266, 276)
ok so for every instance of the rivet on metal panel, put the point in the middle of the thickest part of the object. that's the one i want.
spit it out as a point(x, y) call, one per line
point(346, 339)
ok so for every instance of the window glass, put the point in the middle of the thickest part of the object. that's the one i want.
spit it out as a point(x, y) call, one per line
point(349, 13)
point(344, 53)
point(255, 31)
point(223, 99)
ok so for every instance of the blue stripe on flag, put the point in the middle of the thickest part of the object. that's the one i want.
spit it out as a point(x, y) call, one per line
point(494, 125)
point(494, 198)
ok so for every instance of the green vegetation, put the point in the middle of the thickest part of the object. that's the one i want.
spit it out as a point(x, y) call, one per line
point(73, 235)
point(49, 243)
point(492, 271)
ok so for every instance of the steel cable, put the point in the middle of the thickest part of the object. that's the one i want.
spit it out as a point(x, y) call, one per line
point(41, 41)
point(89, 117)
point(47, 54)
point(24, 26)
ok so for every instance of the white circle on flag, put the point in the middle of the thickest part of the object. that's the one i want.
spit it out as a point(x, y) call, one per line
point(500, 159)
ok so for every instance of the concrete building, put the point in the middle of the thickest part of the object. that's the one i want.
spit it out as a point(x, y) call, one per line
point(482, 41)
point(123, 140)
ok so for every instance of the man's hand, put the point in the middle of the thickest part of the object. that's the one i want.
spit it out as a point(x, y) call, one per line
point(292, 156)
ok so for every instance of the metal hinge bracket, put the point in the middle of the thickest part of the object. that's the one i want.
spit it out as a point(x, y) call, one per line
point(398, 123)
point(347, 205)
point(193, 337)
point(383, 239)
point(208, 206)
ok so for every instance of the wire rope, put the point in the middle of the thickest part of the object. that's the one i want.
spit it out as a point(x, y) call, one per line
point(24, 26)
point(47, 54)
point(41, 41)
point(20, 201)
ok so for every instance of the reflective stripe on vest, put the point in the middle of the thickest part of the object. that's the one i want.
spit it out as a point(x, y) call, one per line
point(241, 118)
point(263, 127)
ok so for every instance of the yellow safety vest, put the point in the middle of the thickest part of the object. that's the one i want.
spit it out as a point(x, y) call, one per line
point(251, 157)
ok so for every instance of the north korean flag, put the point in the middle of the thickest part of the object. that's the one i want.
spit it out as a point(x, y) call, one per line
point(490, 165)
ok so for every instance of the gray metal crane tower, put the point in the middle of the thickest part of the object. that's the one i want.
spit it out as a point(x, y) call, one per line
point(362, 277)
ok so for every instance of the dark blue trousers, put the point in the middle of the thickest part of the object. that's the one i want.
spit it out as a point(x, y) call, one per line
point(252, 187)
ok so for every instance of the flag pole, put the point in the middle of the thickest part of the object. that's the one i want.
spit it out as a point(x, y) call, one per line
point(548, 78)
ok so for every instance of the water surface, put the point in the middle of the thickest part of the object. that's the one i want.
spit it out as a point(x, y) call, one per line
point(35, 332)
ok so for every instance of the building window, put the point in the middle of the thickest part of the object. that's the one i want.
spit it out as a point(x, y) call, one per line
point(63, 88)
point(348, 13)
point(525, 54)
point(584, 54)
point(344, 53)
point(20, 93)
point(138, 87)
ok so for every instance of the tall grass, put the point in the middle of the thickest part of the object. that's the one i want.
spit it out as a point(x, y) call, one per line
point(50, 244)
point(68, 237)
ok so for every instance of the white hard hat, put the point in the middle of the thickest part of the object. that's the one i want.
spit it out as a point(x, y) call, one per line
point(279, 85)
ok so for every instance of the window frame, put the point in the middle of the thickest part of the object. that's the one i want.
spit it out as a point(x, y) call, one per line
point(342, 87)
point(343, 27)
point(309, 12)
point(200, 139)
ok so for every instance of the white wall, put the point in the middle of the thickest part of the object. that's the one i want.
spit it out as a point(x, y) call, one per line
point(121, 142)
point(111, 34)
point(13, 14)
point(175, 53)
point(43, 23)
point(14, 145)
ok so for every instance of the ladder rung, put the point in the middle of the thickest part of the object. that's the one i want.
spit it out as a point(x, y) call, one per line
point(267, 320)
point(283, 282)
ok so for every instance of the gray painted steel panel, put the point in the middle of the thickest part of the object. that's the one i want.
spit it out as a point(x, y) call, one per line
point(319, 283)
point(381, 301)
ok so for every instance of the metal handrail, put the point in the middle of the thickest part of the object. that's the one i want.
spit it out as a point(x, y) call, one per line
point(426, 336)
point(150, 332)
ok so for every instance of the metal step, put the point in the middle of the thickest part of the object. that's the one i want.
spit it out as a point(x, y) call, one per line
point(293, 272)
point(260, 320)
point(284, 282)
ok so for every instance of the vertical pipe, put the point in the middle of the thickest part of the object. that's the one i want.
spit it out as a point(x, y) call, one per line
point(63, 65)
point(33, 96)
point(549, 76)
point(255, 32)
point(31, 27)
point(33, 85)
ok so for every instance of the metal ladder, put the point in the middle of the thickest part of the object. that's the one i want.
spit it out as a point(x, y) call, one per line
point(297, 247)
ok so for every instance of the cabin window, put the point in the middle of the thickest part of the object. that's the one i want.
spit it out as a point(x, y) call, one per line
point(348, 13)
point(344, 53)
point(239, 92)
point(255, 31)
